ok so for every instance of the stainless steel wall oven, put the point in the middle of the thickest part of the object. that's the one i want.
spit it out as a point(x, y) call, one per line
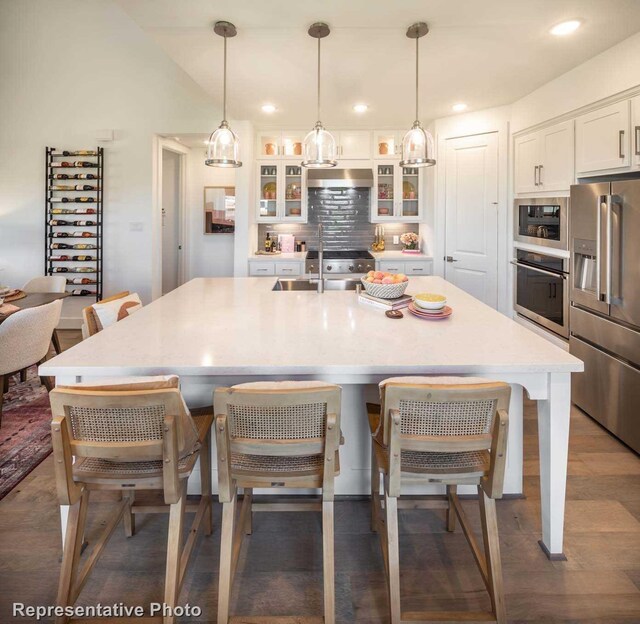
point(542, 222)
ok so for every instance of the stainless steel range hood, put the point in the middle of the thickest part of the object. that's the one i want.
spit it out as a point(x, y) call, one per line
point(339, 178)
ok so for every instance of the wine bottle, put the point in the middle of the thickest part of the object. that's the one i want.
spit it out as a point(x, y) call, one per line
point(83, 163)
point(59, 270)
point(86, 153)
point(80, 280)
point(60, 246)
point(61, 187)
point(59, 222)
point(85, 176)
point(83, 258)
point(59, 234)
point(63, 200)
point(84, 270)
point(77, 292)
point(63, 163)
point(82, 235)
point(84, 246)
point(83, 223)
point(85, 187)
point(58, 258)
point(83, 200)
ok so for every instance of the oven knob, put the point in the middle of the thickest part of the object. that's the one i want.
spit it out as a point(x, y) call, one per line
point(351, 268)
point(329, 267)
point(359, 268)
point(312, 268)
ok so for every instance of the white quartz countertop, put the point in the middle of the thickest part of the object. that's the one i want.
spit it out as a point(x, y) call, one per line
point(297, 256)
point(393, 254)
point(239, 326)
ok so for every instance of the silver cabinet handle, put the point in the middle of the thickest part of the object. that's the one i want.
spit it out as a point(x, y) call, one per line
point(637, 133)
point(535, 175)
point(621, 144)
point(540, 175)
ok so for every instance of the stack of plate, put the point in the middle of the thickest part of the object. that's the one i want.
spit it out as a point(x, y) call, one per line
point(430, 306)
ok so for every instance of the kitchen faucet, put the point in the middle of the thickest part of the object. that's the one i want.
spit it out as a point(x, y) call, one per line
point(320, 260)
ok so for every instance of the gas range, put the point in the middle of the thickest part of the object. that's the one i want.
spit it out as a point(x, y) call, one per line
point(356, 262)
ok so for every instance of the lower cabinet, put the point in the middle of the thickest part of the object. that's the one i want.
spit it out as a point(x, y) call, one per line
point(260, 268)
point(412, 267)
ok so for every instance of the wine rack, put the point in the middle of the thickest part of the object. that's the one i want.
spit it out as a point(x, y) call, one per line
point(73, 219)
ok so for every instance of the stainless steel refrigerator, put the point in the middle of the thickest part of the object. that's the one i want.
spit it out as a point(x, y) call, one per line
point(605, 304)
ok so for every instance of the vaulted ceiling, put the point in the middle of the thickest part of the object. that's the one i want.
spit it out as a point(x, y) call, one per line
point(481, 52)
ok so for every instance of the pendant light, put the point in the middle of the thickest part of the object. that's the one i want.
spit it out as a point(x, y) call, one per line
point(222, 150)
point(417, 145)
point(319, 147)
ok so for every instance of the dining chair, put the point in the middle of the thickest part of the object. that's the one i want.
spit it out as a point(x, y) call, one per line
point(24, 340)
point(91, 323)
point(46, 284)
point(275, 434)
point(107, 438)
point(445, 430)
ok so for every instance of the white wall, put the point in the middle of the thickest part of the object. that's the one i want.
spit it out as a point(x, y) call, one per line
point(613, 71)
point(211, 255)
point(114, 77)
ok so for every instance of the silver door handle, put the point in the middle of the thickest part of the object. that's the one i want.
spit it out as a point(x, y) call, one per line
point(450, 259)
point(621, 144)
point(637, 133)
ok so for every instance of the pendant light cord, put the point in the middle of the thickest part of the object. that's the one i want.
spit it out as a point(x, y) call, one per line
point(417, 62)
point(318, 79)
point(224, 82)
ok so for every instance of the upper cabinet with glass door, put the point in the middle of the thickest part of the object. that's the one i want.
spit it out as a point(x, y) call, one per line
point(281, 192)
point(396, 193)
point(277, 144)
point(387, 144)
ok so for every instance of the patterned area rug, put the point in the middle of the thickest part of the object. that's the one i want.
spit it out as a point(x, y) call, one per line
point(25, 434)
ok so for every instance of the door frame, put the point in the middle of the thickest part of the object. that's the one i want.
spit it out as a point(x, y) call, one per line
point(159, 144)
point(440, 213)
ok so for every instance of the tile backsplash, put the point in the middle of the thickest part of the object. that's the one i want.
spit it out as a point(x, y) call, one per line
point(344, 213)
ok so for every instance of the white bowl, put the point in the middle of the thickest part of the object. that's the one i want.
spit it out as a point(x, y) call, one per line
point(430, 305)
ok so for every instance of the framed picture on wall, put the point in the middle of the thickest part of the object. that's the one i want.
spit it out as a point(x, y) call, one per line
point(219, 209)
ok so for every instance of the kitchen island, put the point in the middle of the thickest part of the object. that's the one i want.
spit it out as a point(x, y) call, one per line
point(221, 331)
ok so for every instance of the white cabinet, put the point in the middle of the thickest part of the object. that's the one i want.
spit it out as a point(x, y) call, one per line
point(260, 268)
point(281, 192)
point(544, 160)
point(353, 145)
point(602, 139)
point(387, 144)
point(396, 193)
point(268, 268)
point(410, 267)
point(275, 144)
point(635, 131)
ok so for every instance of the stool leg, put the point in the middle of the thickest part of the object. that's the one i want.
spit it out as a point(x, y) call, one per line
point(23, 375)
point(492, 554)
point(393, 580)
point(55, 340)
point(328, 563)
point(71, 554)
point(205, 481)
point(452, 490)
point(375, 487)
point(129, 519)
point(248, 496)
point(226, 555)
point(174, 552)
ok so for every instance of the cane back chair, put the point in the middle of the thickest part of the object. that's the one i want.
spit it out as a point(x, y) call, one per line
point(128, 440)
point(451, 431)
point(280, 434)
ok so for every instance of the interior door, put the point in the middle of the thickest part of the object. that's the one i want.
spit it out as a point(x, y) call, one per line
point(170, 220)
point(471, 198)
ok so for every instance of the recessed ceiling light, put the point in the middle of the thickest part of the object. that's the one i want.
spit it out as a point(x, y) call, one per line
point(458, 108)
point(360, 108)
point(565, 28)
point(268, 108)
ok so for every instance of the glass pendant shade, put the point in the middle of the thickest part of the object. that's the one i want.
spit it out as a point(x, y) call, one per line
point(418, 148)
point(223, 148)
point(319, 149)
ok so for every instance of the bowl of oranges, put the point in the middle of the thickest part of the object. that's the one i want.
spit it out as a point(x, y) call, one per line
point(385, 285)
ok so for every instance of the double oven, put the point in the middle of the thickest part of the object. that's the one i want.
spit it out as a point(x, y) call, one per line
point(542, 285)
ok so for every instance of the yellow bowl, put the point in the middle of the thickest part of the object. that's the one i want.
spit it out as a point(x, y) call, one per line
point(430, 301)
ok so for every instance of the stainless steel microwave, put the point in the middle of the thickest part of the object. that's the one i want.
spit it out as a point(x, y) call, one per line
point(542, 222)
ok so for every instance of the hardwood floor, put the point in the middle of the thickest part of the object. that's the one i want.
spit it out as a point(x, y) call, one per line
point(280, 568)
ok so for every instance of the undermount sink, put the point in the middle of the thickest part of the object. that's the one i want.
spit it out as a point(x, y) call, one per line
point(312, 284)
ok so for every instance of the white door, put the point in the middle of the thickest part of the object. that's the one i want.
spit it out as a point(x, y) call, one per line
point(556, 147)
point(170, 220)
point(527, 159)
point(602, 139)
point(471, 204)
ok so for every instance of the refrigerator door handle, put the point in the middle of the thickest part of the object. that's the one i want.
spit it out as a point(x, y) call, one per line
point(615, 203)
point(607, 205)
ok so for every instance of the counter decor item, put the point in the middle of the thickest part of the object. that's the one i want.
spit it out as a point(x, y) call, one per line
point(286, 243)
point(378, 240)
point(385, 285)
point(433, 315)
point(90, 195)
point(219, 209)
point(430, 301)
point(411, 242)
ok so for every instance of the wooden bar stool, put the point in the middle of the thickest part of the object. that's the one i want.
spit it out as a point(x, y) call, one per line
point(279, 434)
point(440, 430)
point(128, 440)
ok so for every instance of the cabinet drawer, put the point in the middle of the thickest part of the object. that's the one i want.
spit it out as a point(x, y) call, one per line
point(417, 268)
point(287, 268)
point(262, 268)
point(389, 266)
